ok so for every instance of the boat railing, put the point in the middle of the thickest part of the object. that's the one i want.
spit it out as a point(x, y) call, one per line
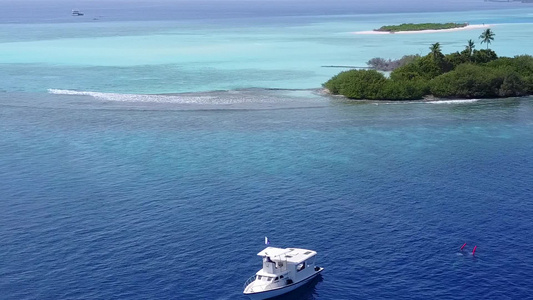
point(250, 280)
point(262, 287)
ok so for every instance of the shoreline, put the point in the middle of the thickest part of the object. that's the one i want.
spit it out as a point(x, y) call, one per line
point(468, 27)
point(425, 99)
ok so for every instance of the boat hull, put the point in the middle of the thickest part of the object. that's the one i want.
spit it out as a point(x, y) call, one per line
point(281, 291)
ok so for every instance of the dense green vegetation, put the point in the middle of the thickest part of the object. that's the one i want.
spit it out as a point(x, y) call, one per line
point(421, 26)
point(467, 74)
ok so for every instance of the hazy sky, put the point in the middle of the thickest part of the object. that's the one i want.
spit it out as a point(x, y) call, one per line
point(53, 10)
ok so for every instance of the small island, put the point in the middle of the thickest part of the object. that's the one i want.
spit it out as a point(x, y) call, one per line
point(420, 27)
point(469, 74)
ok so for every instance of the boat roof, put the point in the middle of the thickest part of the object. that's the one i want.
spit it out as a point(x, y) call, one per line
point(294, 255)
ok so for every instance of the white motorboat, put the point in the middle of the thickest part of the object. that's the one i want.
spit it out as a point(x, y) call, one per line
point(284, 270)
point(76, 12)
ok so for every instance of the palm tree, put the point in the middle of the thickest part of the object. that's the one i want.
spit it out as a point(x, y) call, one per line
point(487, 36)
point(470, 47)
point(435, 50)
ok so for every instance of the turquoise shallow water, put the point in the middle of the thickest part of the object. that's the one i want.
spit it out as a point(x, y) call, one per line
point(190, 56)
point(143, 157)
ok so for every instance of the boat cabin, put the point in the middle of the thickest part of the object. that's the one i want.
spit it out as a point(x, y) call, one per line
point(283, 270)
point(282, 267)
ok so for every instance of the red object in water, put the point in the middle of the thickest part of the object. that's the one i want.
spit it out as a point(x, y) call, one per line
point(474, 251)
point(463, 246)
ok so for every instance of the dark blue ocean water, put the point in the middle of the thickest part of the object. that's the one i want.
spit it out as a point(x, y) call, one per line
point(108, 193)
point(104, 201)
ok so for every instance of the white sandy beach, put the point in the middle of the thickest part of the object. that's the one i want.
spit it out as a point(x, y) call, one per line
point(468, 27)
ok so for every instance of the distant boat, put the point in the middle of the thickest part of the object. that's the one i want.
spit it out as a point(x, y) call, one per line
point(283, 270)
point(76, 12)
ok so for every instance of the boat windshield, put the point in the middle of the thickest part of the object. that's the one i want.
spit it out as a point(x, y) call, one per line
point(265, 278)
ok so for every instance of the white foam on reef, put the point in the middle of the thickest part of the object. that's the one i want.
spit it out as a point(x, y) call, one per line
point(457, 101)
point(232, 97)
point(136, 97)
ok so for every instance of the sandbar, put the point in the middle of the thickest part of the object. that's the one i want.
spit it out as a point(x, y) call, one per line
point(468, 27)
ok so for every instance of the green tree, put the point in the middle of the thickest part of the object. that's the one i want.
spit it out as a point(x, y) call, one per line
point(483, 56)
point(456, 58)
point(522, 64)
point(357, 84)
point(404, 90)
point(513, 85)
point(470, 47)
point(487, 37)
point(466, 81)
point(425, 67)
point(435, 51)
